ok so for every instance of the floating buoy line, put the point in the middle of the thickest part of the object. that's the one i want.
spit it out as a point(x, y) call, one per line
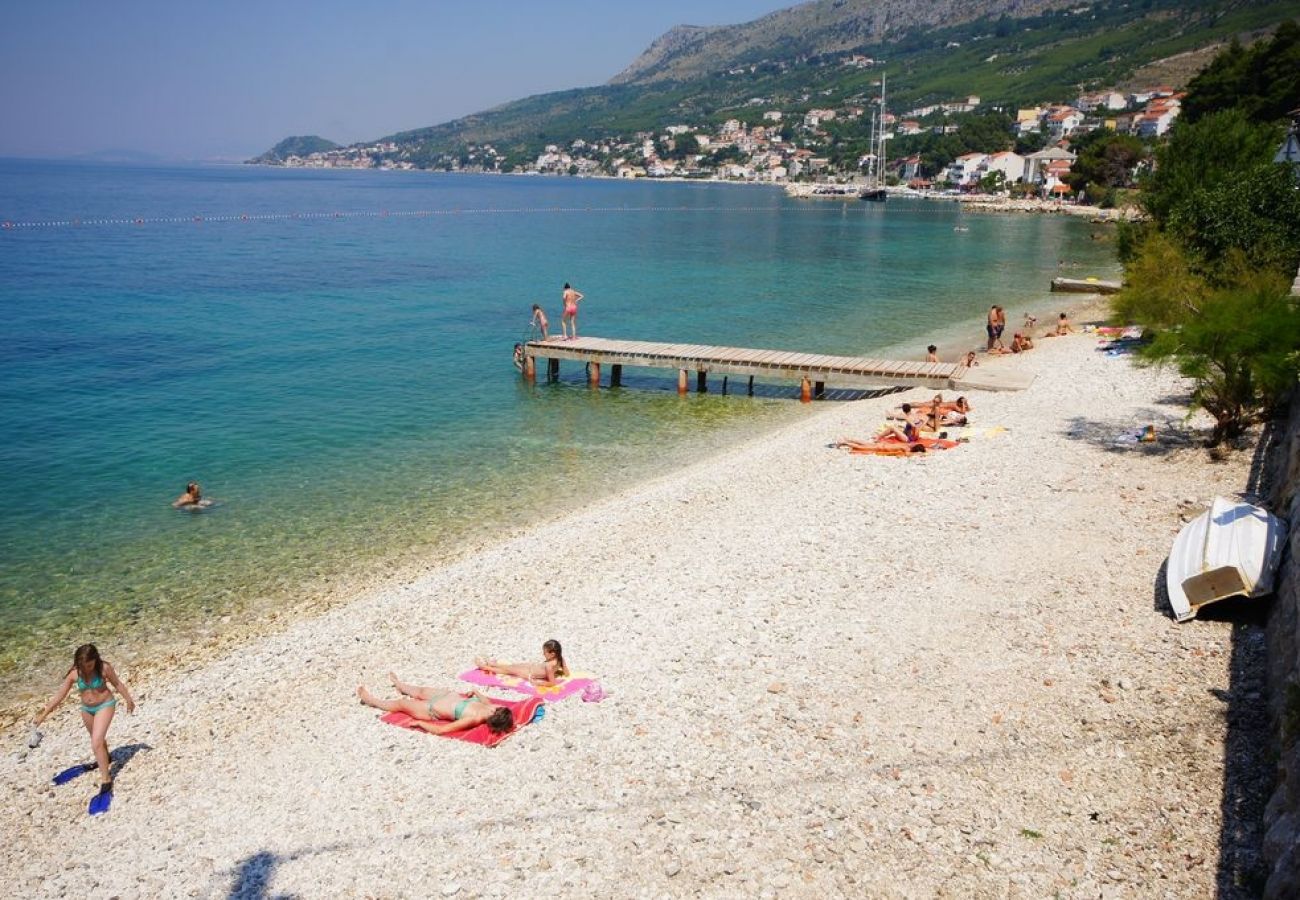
point(77, 222)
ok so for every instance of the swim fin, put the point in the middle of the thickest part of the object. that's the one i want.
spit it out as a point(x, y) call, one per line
point(100, 802)
point(70, 773)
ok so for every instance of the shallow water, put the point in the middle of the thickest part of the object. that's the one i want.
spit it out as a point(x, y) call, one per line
point(342, 387)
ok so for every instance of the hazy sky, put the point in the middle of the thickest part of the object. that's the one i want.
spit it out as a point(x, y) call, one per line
point(229, 79)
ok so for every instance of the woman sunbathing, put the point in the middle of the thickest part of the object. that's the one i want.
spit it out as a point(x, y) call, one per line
point(442, 712)
point(548, 671)
point(908, 410)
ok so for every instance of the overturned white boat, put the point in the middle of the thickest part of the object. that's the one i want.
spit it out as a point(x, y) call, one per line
point(1230, 550)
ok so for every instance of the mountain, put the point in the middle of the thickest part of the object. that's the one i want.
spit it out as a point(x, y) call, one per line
point(819, 28)
point(301, 145)
point(831, 53)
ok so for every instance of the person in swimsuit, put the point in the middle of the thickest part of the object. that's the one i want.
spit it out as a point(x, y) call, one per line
point(193, 496)
point(932, 354)
point(570, 316)
point(548, 671)
point(970, 359)
point(539, 320)
point(91, 675)
point(1063, 325)
point(991, 327)
point(1000, 325)
point(442, 712)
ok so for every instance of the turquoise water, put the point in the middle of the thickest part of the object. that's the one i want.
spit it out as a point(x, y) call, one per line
point(343, 386)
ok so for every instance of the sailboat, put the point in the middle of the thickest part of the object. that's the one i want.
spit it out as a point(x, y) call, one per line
point(875, 189)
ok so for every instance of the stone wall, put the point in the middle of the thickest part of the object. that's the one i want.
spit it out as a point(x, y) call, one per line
point(1282, 817)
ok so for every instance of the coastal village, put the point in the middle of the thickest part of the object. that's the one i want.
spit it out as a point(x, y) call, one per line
point(803, 145)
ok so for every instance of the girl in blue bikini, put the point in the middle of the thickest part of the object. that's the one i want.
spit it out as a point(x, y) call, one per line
point(441, 712)
point(92, 676)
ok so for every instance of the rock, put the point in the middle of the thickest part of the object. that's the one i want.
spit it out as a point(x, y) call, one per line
point(449, 890)
point(775, 687)
point(673, 869)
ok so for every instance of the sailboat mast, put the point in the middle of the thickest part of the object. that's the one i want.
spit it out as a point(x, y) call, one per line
point(880, 156)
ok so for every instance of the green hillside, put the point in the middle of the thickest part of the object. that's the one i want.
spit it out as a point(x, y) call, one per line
point(303, 145)
point(1006, 61)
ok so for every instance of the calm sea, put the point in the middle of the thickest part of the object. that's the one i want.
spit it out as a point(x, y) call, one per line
point(342, 384)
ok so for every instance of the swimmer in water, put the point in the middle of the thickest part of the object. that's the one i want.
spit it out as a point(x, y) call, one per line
point(193, 497)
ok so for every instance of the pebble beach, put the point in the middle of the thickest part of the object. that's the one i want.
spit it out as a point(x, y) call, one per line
point(945, 675)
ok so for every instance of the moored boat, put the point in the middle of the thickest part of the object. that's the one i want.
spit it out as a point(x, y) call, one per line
point(1230, 550)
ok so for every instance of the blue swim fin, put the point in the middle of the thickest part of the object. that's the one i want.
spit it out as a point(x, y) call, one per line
point(538, 714)
point(100, 802)
point(70, 773)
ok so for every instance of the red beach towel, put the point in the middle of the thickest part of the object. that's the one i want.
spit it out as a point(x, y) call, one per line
point(522, 710)
point(566, 687)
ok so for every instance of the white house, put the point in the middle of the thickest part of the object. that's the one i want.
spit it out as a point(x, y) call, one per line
point(772, 115)
point(1062, 121)
point(965, 168)
point(1011, 165)
point(815, 117)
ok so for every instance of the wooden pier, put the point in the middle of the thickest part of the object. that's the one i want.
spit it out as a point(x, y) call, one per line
point(813, 371)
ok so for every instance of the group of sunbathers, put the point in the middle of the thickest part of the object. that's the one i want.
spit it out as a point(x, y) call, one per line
point(914, 428)
point(440, 711)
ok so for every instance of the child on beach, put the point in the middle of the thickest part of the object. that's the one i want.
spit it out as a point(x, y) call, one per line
point(539, 321)
point(570, 314)
point(92, 676)
point(442, 712)
point(1063, 325)
point(970, 359)
point(548, 671)
point(932, 354)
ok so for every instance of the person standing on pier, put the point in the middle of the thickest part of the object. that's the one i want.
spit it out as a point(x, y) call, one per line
point(570, 315)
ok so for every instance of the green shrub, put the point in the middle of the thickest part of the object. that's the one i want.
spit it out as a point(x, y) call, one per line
point(1238, 345)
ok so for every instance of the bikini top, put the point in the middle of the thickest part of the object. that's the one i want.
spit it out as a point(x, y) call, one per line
point(95, 684)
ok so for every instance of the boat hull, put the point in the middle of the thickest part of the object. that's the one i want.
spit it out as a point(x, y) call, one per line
point(1231, 550)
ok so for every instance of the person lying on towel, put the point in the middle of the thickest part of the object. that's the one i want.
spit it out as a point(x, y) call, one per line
point(441, 712)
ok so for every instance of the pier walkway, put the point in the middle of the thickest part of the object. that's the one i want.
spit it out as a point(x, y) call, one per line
point(814, 371)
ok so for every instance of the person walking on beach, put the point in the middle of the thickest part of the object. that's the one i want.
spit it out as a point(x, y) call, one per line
point(932, 354)
point(91, 676)
point(539, 322)
point(991, 327)
point(570, 316)
point(1000, 326)
point(442, 712)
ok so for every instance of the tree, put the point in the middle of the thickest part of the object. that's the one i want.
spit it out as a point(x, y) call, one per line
point(1263, 82)
point(1255, 216)
point(1239, 350)
point(1106, 159)
point(1218, 148)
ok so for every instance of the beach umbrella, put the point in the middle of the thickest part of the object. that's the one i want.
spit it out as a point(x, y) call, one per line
point(1061, 188)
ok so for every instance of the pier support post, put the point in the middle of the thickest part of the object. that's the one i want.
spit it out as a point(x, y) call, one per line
point(724, 385)
point(553, 369)
point(530, 368)
point(616, 376)
point(819, 388)
point(751, 385)
point(593, 374)
point(805, 391)
point(702, 382)
point(681, 381)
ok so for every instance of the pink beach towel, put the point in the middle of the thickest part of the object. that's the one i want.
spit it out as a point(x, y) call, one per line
point(548, 692)
point(522, 710)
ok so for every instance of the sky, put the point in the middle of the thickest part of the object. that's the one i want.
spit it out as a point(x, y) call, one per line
point(191, 80)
